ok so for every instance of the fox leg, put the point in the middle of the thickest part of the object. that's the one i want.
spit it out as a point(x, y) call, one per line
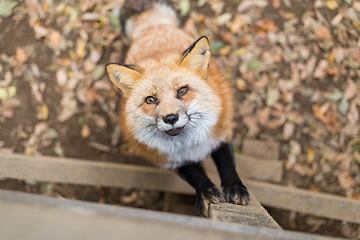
point(233, 189)
point(206, 192)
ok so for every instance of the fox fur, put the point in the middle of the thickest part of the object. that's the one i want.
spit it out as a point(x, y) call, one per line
point(156, 66)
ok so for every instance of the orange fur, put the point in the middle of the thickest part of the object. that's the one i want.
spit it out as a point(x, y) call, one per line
point(156, 51)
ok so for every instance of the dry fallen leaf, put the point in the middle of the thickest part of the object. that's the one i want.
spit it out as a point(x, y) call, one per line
point(80, 48)
point(21, 55)
point(251, 123)
point(276, 3)
point(85, 131)
point(351, 90)
point(240, 84)
point(267, 25)
point(237, 24)
point(264, 116)
point(310, 155)
point(322, 33)
point(317, 112)
point(6, 8)
point(100, 147)
point(55, 37)
point(7, 79)
point(8, 92)
point(273, 96)
point(332, 4)
point(44, 110)
point(288, 130)
point(331, 121)
point(353, 114)
point(321, 70)
point(69, 107)
point(345, 180)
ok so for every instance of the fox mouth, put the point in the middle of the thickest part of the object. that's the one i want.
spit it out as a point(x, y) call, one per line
point(175, 131)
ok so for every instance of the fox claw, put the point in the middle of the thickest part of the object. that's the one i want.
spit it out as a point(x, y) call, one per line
point(205, 197)
point(236, 193)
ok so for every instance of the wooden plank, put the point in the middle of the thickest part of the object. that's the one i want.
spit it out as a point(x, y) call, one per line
point(255, 168)
point(252, 168)
point(86, 172)
point(305, 201)
point(28, 216)
point(252, 215)
point(261, 149)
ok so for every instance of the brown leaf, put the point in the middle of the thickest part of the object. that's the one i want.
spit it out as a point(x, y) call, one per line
point(100, 147)
point(300, 169)
point(317, 112)
point(69, 107)
point(286, 15)
point(7, 79)
point(273, 124)
point(350, 90)
point(85, 131)
point(310, 66)
point(345, 180)
point(321, 70)
point(353, 114)
point(55, 37)
point(323, 33)
point(236, 24)
point(8, 113)
point(262, 83)
point(276, 3)
point(251, 123)
point(240, 84)
point(91, 95)
point(288, 131)
point(331, 121)
point(356, 6)
point(267, 25)
point(332, 4)
point(264, 116)
point(337, 19)
point(21, 55)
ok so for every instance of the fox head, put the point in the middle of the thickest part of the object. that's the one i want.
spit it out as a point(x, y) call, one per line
point(169, 102)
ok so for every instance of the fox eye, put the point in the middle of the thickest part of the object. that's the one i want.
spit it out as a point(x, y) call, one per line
point(182, 91)
point(150, 100)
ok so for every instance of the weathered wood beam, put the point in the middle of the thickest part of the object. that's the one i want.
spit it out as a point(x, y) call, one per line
point(86, 172)
point(252, 214)
point(305, 201)
point(28, 216)
point(261, 149)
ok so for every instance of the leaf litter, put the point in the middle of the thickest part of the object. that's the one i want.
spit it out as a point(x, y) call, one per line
point(296, 75)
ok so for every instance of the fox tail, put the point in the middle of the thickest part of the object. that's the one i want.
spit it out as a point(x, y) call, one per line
point(134, 19)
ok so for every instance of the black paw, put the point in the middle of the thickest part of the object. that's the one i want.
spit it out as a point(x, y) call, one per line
point(236, 192)
point(206, 196)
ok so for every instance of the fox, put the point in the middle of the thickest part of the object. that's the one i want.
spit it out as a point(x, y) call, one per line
point(178, 105)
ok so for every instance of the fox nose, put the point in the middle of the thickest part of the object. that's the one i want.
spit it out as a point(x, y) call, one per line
point(171, 118)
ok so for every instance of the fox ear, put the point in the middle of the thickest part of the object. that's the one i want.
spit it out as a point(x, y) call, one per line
point(123, 76)
point(197, 56)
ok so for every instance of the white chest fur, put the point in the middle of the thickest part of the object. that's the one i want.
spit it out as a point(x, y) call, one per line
point(193, 144)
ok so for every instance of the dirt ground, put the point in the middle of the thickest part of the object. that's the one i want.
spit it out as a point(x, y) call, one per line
point(294, 66)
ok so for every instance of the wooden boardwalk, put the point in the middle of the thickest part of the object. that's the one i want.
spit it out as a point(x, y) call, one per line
point(93, 173)
point(29, 216)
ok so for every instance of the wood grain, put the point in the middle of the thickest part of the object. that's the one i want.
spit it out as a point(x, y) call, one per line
point(252, 214)
point(28, 216)
point(261, 149)
point(85, 172)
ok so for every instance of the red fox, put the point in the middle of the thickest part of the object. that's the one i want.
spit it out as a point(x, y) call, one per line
point(178, 106)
